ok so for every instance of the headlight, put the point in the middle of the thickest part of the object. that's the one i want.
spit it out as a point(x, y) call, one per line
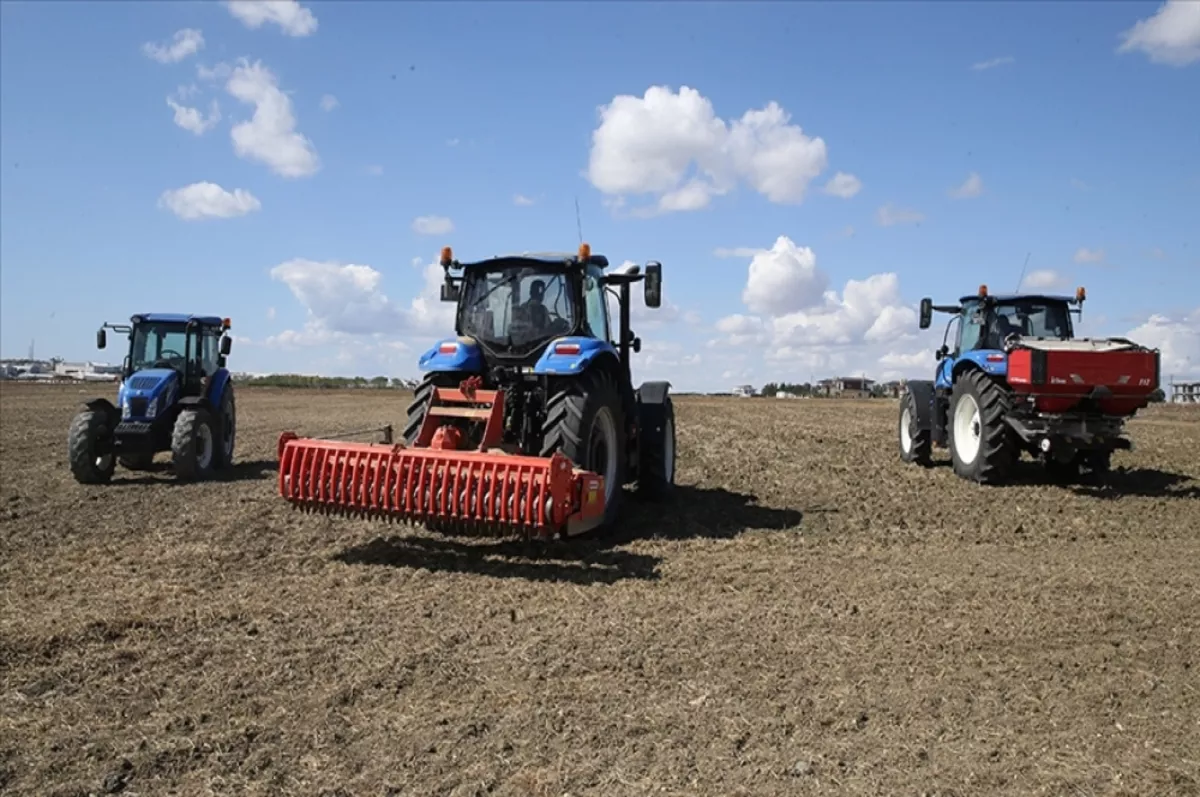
point(125, 409)
point(152, 407)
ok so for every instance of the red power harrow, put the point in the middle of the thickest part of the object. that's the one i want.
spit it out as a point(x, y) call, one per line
point(439, 482)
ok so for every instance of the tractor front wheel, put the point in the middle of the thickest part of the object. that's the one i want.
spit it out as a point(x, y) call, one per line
point(916, 444)
point(228, 428)
point(584, 421)
point(981, 443)
point(89, 448)
point(656, 471)
point(193, 444)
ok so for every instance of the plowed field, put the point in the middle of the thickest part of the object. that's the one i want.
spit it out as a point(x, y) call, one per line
point(807, 616)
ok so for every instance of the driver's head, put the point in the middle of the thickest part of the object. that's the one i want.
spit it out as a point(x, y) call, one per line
point(537, 290)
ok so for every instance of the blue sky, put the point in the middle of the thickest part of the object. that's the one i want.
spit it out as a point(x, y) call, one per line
point(965, 135)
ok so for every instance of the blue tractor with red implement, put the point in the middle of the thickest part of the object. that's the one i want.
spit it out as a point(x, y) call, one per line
point(527, 421)
point(175, 395)
point(1012, 378)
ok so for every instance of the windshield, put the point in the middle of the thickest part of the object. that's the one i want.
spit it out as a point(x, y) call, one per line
point(516, 306)
point(1031, 318)
point(158, 345)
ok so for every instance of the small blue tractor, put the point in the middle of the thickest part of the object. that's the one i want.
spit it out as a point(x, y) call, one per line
point(527, 420)
point(175, 395)
point(1016, 380)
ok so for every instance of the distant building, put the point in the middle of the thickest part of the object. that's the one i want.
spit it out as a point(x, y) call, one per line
point(744, 391)
point(1185, 392)
point(892, 389)
point(845, 387)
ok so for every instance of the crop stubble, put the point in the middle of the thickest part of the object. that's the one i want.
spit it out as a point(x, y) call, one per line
point(808, 615)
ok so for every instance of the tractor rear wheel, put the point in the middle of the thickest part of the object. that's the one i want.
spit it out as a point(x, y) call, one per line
point(916, 444)
point(981, 444)
point(422, 397)
point(89, 448)
point(193, 444)
point(656, 470)
point(585, 422)
point(228, 429)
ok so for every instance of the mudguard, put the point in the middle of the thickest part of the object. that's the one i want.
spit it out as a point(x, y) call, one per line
point(216, 387)
point(654, 392)
point(579, 354)
point(992, 362)
point(193, 402)
point(922, 393)
point(453, 354)
point(103, 405)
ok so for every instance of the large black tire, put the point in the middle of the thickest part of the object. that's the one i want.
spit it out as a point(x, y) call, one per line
point(656, 468)
point(226, 441)
point(422, 396)
point(982, 445)
point(141, 461)
point(193, 444)
point(90, 433)
point(585, 422)
point(916, 444)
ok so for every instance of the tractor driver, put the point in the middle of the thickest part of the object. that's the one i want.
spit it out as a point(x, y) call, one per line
point(1002, 327)
point(533, 310)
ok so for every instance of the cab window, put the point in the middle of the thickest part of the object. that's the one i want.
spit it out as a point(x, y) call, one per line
point(596, 307)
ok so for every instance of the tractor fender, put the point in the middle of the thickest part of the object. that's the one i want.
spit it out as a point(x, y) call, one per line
point(216, 387)
point(654, 392)
point(922, 393)
point(107, 408)
point(193, 402)
point(583, 352)
point(453, 354)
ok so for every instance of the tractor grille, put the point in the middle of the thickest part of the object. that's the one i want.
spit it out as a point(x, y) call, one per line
point(143, 382)
point(137, 406)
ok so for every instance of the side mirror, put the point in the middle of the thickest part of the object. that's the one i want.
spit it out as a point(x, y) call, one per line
point(942, 352)
point(653, 284)
point(450, 292)
point(226, 345)
point(637, 345)
point(101, 338)
point(926, 312)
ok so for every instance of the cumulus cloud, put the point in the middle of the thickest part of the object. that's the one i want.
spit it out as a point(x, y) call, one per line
point(193, 120)
point(206, 200)
point(673, 146)
point(992, 63)
point(783, 279)
point(288, 15)
point(890, 216)
point(1177, 339)
point(184, 43)
point(1083, 255)
point(1171, 36)
point(970, 188)
point(269, 137)
point(1043, 280)
point(843, 185)
point(329, 102)
point(432, 225)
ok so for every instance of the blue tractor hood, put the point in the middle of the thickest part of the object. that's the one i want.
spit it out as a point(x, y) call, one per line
point(152, 386)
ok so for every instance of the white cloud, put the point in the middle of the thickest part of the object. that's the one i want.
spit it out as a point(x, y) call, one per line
point(992, 63)
point(270, 137)
point(270, 313)
point(184, 43)
point(970, 188)
point(1085, 255)
point(192, 119)
point(329, 102)
point(221, 71)
point(208, 200)
point(737, 251)
point(291, 17)
point(643, 317)
point(432, 225)
point(1177, 339)
point(1171, 36)
point(522, 200)
point(783, 279)
point(889, 216)
point(1043, 280)
point(843, 185)
point(672, 145)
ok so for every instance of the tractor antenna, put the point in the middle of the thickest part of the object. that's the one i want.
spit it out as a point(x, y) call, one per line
point(578, 221)
point(1021, 278)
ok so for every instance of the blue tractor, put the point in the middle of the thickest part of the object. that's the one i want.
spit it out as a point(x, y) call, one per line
point(527, 420)
point(175, 395)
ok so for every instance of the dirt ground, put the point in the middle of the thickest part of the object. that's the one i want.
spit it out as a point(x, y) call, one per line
point(807, 616)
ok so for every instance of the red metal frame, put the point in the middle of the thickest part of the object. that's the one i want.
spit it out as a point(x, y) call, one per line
point(1070, 376)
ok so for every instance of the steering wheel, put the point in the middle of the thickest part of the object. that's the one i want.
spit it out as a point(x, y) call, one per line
point(165, 357)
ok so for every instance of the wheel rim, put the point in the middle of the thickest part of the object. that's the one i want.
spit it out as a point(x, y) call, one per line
point(104, 462)
point(905, 430)
point(204, 446)
point(602, 451)
point(967, 429)
point(669, 450)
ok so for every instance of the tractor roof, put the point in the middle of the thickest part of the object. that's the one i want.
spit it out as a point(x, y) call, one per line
point(179, 318)
point(546, 258)
point(1006, 298)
